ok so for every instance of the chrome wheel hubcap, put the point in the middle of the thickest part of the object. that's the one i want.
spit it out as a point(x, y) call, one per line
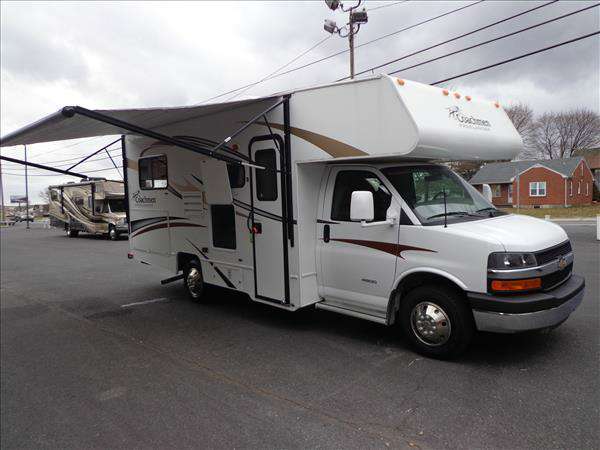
point(430, 324)
point(194, 282)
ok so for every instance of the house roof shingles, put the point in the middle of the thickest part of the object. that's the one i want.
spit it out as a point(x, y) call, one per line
point(591, 155)
point(504, 172)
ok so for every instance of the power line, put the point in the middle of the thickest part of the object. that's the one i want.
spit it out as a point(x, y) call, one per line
point(387, 5)
point(70, 145)
point(470, 47)
point(506, 61)
point(333, 55)
point(61, 175)
point(282, 67)
point(452, 39)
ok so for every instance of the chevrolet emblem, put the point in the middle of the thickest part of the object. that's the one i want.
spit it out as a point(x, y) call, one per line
point(562, 263)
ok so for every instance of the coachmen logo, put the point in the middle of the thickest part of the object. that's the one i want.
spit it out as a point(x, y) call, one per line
point(142, 199)
point(467, 121)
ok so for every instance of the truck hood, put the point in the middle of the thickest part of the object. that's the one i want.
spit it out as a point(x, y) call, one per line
point(517, 233)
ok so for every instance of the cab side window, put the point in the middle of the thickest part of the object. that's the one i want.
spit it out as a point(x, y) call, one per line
point(348, 181)
point(153, 172)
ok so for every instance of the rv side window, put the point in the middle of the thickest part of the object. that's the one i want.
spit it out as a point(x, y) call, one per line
point(153, 172)
point(54, 195)
point(266, 180)
point(237, 176)
point(349, 181)
point(223, 226)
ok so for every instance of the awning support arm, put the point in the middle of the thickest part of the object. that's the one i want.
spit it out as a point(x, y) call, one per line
point(95, 153)
point(113, 162)
point(70, 111)
point(41, 166)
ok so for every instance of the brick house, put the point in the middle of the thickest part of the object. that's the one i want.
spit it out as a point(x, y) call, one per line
point(538, 183)
point(592, 158)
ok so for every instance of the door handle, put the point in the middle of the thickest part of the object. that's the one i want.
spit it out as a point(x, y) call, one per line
point(326, 233)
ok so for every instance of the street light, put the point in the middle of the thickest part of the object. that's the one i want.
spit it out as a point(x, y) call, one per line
point(355, 20)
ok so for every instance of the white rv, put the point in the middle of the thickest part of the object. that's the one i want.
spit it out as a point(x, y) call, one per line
point(335, 197)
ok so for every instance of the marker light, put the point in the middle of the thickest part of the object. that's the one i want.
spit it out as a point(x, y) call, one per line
point(235, 147)
point(457, 95)
point(400, 82)
point(445, 92)
point(516, 285)
point(468, 97)
point(497, 105)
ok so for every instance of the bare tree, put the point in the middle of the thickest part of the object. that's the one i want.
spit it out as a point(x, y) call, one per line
point(44, 194)
point(557, 135)
point(521, 115)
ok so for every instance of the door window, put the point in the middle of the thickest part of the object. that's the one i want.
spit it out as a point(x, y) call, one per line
point(348, 181)
point(266, 180)
point(223, 226)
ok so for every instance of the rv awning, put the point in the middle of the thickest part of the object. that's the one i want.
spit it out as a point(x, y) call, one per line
point(66, 124)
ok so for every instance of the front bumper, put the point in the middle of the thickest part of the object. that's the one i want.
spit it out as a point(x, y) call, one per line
point(512, 314)
point(122, 229)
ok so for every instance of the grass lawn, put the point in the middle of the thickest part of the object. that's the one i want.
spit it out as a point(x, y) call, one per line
point(572, 212)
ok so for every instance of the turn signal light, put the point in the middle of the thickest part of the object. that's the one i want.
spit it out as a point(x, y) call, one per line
point(129, 255)
point(517, 285)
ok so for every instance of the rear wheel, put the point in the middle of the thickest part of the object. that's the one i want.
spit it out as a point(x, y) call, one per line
point(436, 321)
point(193, 280)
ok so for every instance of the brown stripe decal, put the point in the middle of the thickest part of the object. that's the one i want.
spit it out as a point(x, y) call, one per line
point(165, 225)
point(337, 149)
point(392, 249)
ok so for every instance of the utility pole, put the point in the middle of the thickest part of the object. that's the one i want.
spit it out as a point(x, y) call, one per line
point(26, 191)
point(355, 20)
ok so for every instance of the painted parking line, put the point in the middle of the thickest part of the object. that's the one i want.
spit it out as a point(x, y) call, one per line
point(154, 300)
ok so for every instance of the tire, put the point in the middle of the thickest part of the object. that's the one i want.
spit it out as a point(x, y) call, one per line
point(193, 280)
point(437, 321)
point(113, 234)
point(72, 233)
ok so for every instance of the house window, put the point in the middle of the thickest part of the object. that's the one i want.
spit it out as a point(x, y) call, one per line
point(496, 190)
point(537, 189)
point(266, 180)
point(223, 226)
point(153, 172)
point(587, 188)
point(578, 187)
point(349, 181)
point(571, 188)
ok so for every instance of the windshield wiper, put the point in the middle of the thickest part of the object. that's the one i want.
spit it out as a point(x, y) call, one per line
point(452, 213)
point(489, 208)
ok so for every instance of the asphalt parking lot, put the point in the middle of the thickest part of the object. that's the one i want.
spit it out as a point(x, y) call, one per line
point(79, 370)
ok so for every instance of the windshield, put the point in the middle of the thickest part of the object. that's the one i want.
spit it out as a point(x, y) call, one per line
point(116, 204)
point(423, 189)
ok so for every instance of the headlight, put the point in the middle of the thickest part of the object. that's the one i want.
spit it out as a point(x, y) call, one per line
point(120, 222)
point(511, 260)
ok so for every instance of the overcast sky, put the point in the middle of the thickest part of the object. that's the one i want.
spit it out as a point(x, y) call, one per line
point(120, 54)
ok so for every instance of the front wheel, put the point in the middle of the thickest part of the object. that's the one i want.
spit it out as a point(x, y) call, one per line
point(113, 235)
point(71, 232)
point(193, 280)
point(436, 321)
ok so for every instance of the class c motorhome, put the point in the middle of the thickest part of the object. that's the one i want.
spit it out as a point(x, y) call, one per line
point(95, 206)
point(336, 196)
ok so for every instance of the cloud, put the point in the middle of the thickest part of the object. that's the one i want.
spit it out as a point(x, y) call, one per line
point(140, 54)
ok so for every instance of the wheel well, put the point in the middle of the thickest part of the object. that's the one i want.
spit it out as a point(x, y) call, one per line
point(411, 282)
point(184, 258)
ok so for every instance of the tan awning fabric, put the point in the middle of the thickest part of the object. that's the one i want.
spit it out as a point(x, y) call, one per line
point(58, 127)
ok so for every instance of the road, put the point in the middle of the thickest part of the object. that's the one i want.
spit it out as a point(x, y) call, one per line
point(79, 370)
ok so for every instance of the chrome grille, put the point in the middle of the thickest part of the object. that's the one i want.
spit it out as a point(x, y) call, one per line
point(552, 253)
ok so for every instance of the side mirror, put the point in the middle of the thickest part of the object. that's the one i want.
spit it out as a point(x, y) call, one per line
point(487, 192)
point(361, 206)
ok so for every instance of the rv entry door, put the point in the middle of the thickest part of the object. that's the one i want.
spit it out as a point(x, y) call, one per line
point(267, 225)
